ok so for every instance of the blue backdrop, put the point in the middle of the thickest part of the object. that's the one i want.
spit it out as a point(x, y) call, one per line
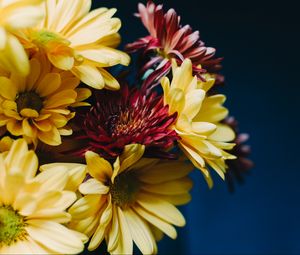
point(258, 41)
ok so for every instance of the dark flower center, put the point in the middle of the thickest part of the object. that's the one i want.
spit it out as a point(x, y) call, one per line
point(12, 226)
point(123, 124)
point(29, 100)
point(124, 189)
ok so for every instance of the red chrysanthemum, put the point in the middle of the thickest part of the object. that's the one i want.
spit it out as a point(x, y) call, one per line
point(240, 166)
point(119, 118)
point(168, 39)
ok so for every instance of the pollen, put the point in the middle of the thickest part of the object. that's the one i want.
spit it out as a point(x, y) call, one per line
point(29, 100)
point(124, 189)
point(12, 226)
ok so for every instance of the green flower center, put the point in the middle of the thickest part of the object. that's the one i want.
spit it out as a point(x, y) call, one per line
point(12, 226)
point(43, 37)
point(29, 100)
point(124, 189)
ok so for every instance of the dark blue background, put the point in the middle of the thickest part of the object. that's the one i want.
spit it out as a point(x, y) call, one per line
point(258, 41)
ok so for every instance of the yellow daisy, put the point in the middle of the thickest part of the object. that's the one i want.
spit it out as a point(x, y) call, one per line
point(132, 202)
point(15, 15)
point(203, 137)
point(33, 207)
point(36, 106)
point(77, 39)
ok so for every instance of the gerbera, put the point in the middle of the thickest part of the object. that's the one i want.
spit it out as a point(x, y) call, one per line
point(131, 201)
point(75, 39)
point(15, 15)
point(168, 39)
point(203, 137)
point(119, 118)
point(36, 106)
point(33, 207)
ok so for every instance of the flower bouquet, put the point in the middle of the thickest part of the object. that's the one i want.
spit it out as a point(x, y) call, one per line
point(93, 155)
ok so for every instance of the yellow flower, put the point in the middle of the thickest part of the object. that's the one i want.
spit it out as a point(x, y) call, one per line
point(36, 107)
point(131, 202)
point(203, 137)
point(78, 40)
point(33, 207)
point(15, 15)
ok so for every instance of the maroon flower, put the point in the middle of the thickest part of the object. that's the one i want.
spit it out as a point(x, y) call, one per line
point(238, 168)
point(119, 118)
point(168, 39)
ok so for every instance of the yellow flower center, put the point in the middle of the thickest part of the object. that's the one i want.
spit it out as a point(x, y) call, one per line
point(29, 100)
point(163, 53)
point(12, 226)
point(124, 189)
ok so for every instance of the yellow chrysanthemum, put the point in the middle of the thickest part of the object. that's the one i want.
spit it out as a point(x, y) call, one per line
point(36, 106)
point(33, 207)
point(203, 137)
point(131, 202)
point(78, 40)
point(15, 15)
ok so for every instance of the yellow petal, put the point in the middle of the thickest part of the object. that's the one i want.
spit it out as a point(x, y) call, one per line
point(176, 187)
point(55, 237)
point(223, 133)
point(49, 84)
point(7, 89)
point(140, 232)
point(90, 75)
point(158, 222)
point(85, 207)
point(29, 113)
point(92, 186)
point(161, 209)
point(51, 138)
point(98, 167)
point(63, 62)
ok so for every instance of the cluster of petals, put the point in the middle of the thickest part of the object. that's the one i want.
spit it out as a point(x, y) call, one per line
point(132, 201)
point(36, 106)
point(125, 117)
point(169, 39)
point(78, 40)
point(204, 139)
point(40, 200)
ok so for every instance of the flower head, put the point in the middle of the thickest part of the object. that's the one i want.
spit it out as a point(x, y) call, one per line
point(33, 207)
point(75, 39)
point(131, 201)
point(204, 138)
point(15, 15)
point(36, 106)
point(168, 39)
point(119, 118)
point(239, 167)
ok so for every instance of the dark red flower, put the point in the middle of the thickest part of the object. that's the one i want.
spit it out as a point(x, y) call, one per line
point(238, 168)
point(119, 118)
point(168, 39)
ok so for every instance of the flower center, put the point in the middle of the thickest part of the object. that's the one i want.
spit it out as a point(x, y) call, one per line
point(29, 100)
point(43, 37)
point(124, 189)
point(163, 53)
point(12, 226)
point(123, 124)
